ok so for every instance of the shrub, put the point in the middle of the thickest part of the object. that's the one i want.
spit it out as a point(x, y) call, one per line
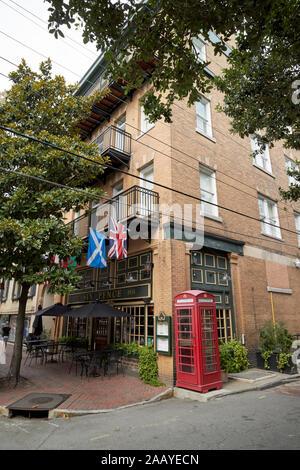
point(275, 337)
point(233, 356)
point(148, 368)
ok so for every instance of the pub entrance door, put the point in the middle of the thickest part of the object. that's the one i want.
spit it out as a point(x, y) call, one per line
point(101, 332)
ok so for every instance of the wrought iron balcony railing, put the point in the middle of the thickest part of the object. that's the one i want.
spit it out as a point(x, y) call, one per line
point(135, 202)
point(116, 144)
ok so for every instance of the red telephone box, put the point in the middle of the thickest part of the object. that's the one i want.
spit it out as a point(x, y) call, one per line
point(197, 350)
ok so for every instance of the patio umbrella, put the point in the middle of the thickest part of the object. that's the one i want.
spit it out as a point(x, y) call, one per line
point(96, 310)
point(38, 325)
point(56, 310)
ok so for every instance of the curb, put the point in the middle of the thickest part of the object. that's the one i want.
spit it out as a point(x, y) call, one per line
point(61, 413)
point(182, 394)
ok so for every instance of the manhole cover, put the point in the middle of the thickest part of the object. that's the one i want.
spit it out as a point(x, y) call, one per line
point(39, 401)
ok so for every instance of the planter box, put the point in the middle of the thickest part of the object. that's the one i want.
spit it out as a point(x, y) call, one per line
point(273, 365)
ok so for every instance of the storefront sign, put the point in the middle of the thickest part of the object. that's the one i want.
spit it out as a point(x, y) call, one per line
point(121, 293)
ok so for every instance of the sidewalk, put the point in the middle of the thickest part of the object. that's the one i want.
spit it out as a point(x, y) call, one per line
point(87, 395)
point(103, 394)
point(252, 379)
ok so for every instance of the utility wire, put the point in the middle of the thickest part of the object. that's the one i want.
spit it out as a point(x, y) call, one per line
point(45, 30)
point(219, 181)
point(112, 200)
point(39, 53)
point(188, 155)
point(182, 193)
point(45, 22)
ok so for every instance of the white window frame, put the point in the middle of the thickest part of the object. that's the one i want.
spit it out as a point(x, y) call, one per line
point(262, 158)
point(297, 223)
point(145, 124)
point(208, 210)
point(146, 200)
point(200, 47)
point(291, 165)
point(268, 214)
point(76, 223)
point(118, 205)
point(205, 127)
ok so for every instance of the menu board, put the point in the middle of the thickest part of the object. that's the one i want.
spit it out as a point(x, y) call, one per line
point(163, 334)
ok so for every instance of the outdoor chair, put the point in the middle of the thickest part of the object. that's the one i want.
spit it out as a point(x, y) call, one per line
point(52, 351)
point(77, 358)
point(115, 360)
point(35, 350)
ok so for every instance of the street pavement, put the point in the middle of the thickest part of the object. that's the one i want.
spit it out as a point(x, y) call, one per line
point(254, 420)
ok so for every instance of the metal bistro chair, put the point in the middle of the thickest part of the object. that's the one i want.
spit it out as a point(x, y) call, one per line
point(97, 360)
point(115, 360)
point(51, 350)
point(35, 350)
point(78, 357)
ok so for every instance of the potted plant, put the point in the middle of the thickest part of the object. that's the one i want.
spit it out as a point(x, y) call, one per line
point(275, 348)
point(233, 358)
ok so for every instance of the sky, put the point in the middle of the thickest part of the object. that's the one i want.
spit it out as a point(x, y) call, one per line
point(24, 34)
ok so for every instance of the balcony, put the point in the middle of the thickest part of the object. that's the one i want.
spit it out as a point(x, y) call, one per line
point(115, 144)
point(133, 203)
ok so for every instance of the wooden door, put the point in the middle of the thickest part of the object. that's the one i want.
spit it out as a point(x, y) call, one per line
point(101, 330)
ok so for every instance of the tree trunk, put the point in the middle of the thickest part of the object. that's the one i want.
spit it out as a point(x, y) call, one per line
point(15, 365)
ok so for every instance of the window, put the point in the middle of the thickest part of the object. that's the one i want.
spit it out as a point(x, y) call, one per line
point(146, 198)
point(76, 223)
point(120, 133)
point(199, 46)
point(119, 205)
point(291, 165)
point(94, 216)
point(269, 215)
point(4, 291)
point(297, 222)
point(208, 192)
point(261, 157)
point(99, 142)
point(16, 291)
point(203, 117)
point(145, 124)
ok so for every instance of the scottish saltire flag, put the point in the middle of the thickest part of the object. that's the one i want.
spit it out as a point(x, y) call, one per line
point(96, 257)
point(117, 240)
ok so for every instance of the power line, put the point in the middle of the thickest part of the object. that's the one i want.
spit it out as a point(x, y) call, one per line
point(191, 157)
point(112, 200)
point(183, 152)
point(182, 193)
point(39, 53)
point(45, 22)
point(44, 30)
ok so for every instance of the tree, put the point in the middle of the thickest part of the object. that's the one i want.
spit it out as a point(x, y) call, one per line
point(261, 83)
point(32, 225)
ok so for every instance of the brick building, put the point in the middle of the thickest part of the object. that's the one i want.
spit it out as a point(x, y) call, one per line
point(249, 262)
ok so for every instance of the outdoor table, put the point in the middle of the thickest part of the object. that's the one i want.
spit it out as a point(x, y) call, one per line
point(78, 357)
point(96, 359)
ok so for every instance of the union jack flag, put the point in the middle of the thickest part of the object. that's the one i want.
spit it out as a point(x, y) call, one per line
point(117, 240)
